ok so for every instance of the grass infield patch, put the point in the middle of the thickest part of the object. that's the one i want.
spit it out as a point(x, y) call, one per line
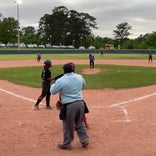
point(111, 76)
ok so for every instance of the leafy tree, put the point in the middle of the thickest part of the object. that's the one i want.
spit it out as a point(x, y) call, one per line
point(79, 28)
point(151, 40)
point(141, 42)
point(128, 44)
point(28, 30)
point(8, 30)
point(100, 42)
point(122, 31)
point(54, 25)
point(29, 35)
point(66, 26)
point(143, 45)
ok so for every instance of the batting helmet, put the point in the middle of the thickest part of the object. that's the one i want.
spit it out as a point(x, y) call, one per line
point(47, 62)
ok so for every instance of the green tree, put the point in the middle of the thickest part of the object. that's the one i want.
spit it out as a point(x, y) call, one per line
point(141, 42)
point(128, 44)
point(29, 35)
point(122, 31)
point(8, 30)
point(100, 42)
point(80, 28)
point(54, 25)
point(151, 40)
point(66, 26)
point(28, 30)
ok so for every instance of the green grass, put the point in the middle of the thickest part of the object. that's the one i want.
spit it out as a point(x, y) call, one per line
point(111, 76)
point(73, 56)
point(44, 56)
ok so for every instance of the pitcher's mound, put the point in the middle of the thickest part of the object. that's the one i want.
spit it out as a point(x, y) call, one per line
point(89, 71)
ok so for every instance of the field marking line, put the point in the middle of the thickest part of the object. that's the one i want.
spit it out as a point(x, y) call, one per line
point(122, 106)
point(129, 101)
point(121, 121)
point(19, 96)
point(126, 114)
point(97, 107)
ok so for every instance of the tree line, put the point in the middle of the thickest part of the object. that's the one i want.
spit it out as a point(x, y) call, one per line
point(69, 27)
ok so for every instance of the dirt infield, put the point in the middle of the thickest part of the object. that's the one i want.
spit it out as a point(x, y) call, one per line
point(122, 121)
point(22, 63)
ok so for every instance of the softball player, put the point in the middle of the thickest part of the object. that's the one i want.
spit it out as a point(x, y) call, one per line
point(46, 79)
point(91, 61)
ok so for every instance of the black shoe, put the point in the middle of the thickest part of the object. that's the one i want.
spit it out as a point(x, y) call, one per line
point(48, 107)
point(36, 107)
point(67, 147)
point(85, 144)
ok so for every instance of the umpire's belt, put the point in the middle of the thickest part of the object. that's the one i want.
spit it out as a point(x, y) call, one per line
point(70, 102)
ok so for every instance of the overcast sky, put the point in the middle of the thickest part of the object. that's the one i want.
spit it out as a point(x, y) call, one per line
point(140, 14)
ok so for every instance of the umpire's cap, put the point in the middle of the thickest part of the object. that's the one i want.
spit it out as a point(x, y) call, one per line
point(68, 68)
point(47, 62)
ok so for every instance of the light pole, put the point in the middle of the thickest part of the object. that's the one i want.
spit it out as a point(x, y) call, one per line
point(50, 39)
point(18, 35)
point(81, 40)
point(119, 44)
point(1, 15)
point(74, 43)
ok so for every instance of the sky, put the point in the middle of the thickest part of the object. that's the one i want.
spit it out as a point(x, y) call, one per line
point(140, 14)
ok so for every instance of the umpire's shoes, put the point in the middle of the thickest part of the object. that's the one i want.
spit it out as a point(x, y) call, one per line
point(63, 146)
point(85, 144)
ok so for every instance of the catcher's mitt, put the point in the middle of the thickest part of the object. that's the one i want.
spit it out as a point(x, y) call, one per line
point(58, 105)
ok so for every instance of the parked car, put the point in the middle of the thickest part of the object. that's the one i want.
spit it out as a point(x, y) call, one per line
point(81, 47)
point(31, 45)
point(22, 45)
point(91, 47)
point(2, 45)
point(10, 45)
point(48, 46)
point(41, 46)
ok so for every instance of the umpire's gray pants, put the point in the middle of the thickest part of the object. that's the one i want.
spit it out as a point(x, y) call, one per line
point(74, 121)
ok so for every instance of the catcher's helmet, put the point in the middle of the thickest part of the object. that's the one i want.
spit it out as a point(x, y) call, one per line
point(47, 62)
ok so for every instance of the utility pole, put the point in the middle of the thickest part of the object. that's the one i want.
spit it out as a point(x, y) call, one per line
point(18, 35)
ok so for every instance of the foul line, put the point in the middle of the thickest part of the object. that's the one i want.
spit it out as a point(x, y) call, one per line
point(113, 105)
point(125, 111)
point(126, 114)
point(137, 99)
point(19, 96)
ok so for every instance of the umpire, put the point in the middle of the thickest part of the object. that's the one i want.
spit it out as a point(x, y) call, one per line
point(70, 86)
point(46, 79)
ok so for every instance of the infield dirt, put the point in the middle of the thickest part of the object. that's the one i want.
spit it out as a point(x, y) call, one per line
point(128, 129)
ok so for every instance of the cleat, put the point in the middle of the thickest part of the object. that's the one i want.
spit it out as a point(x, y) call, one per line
point(67, 147)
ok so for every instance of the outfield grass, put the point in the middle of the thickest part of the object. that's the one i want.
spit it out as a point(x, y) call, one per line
point(111, 76)
point(73, 56)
